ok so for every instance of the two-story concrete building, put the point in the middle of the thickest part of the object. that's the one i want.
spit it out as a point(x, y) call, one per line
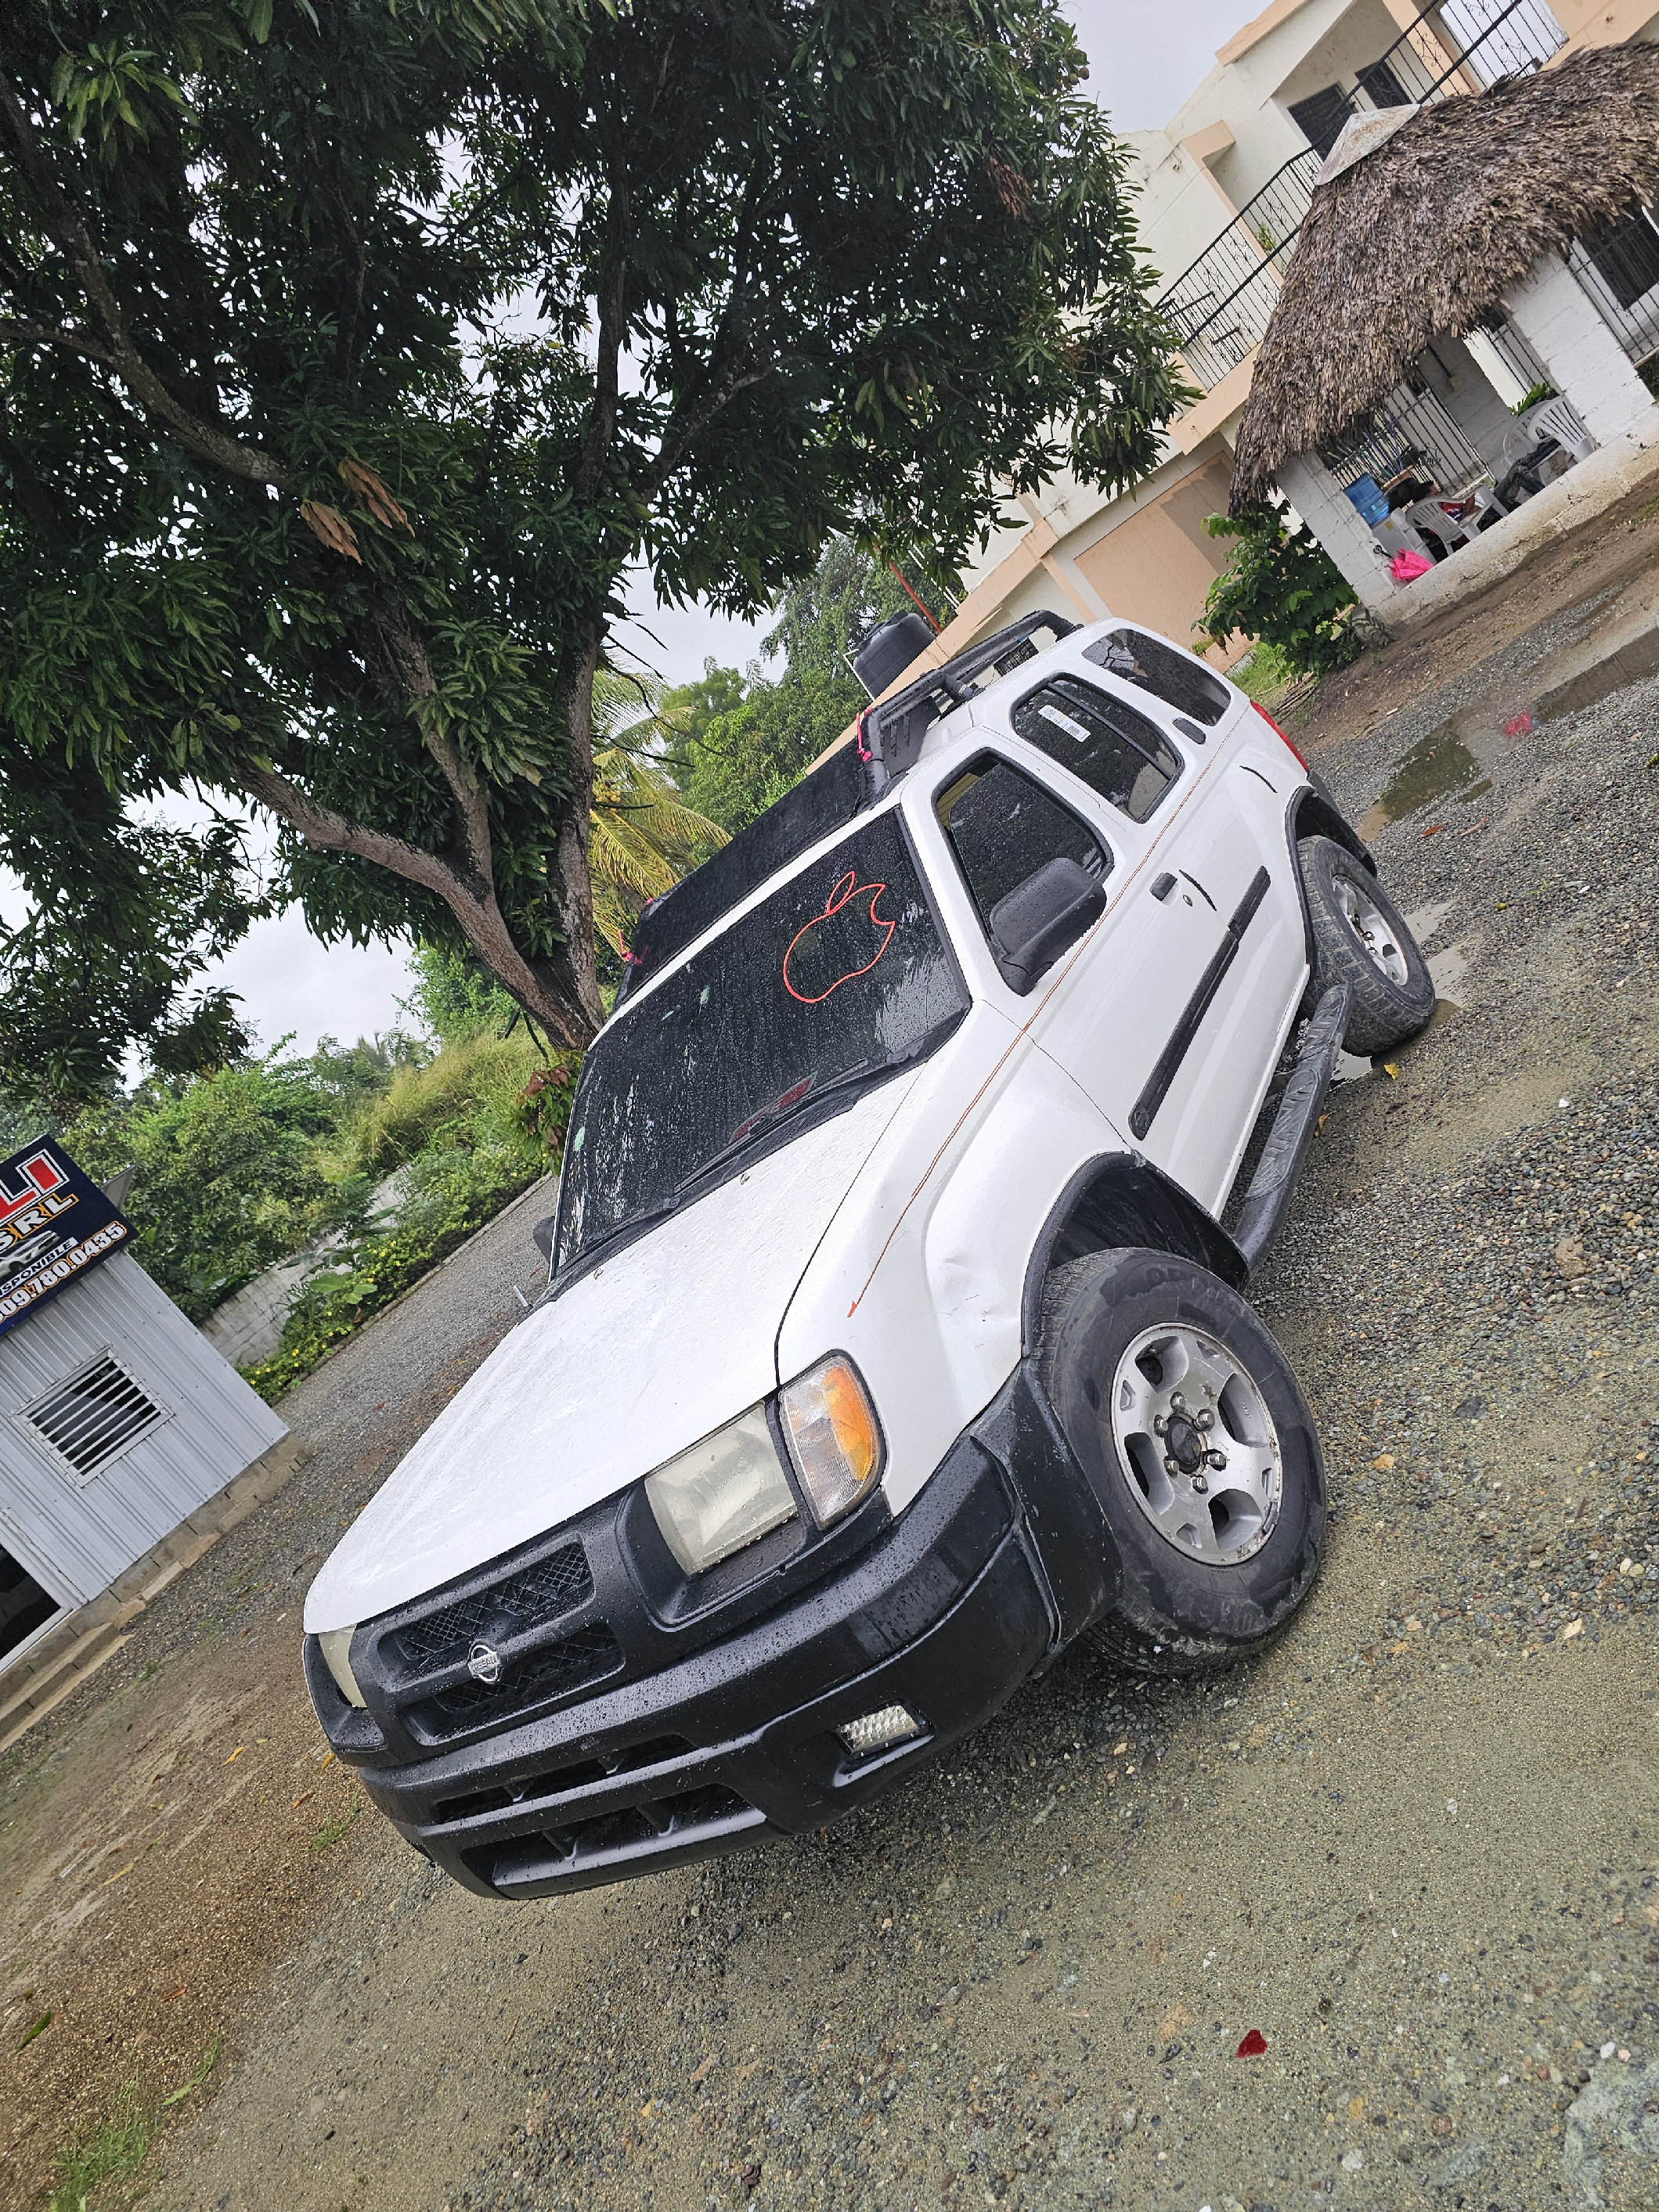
point(1226, 188)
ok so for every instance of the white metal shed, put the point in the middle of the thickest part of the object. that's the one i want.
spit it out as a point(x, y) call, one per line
point(118, 1422)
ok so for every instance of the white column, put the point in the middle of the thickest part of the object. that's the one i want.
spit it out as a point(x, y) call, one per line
point(1330, 515)
point(1577, 350)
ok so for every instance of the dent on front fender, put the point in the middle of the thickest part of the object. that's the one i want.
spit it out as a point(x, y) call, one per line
point(920, 1276)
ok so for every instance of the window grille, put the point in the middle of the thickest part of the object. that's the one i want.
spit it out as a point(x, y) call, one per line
point(1410, 429)
point(92, 1416)
point(1619, 267)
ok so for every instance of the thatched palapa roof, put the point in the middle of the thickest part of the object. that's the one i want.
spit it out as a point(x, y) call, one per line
point(1424, 234)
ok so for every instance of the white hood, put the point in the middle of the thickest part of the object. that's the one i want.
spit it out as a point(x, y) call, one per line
point(657, 1347)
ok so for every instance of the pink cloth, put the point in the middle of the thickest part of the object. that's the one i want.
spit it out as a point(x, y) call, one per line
point(1406, 566)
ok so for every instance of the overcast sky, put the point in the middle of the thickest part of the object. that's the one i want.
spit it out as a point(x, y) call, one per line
point(1145, 60)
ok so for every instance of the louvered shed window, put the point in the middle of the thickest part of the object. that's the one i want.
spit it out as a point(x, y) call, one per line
point(94, 1415)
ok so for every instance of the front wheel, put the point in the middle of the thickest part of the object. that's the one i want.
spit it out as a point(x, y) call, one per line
point(1185, 1415)
point(1359, 940)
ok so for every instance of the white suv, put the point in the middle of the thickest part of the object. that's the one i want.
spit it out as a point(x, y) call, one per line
point(892, 1337)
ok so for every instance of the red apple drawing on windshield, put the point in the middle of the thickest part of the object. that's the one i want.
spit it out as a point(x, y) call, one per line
point(845, 941)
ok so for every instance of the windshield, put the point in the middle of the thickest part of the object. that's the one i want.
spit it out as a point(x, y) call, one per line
point(838, 975)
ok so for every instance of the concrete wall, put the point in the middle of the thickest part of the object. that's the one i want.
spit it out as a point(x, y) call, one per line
point(1314, 493)
point(1577, 350)
point(1363, 35)
point(1158, 567)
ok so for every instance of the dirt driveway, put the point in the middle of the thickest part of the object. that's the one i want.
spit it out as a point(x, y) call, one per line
point(1415, 1851)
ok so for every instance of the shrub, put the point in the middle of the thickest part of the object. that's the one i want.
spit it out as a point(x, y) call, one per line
point(451, 1195)
point(467, 1096)
point(231, 1174)
point(1283, 588)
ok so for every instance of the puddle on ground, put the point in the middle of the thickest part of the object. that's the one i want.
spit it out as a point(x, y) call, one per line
point(1437, 767)
point(1456, 762)
point(1353, 1068)
point(1448, 969)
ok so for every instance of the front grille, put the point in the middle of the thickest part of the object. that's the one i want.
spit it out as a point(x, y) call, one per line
point(554, 1585)
point(553, 1781)
point(586, 1656)
point(637, 1830)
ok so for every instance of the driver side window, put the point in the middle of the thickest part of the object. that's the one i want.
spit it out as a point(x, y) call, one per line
point(1020, 852)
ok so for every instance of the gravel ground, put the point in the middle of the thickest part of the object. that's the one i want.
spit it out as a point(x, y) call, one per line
point(170, 1831)
point(1414, 1853)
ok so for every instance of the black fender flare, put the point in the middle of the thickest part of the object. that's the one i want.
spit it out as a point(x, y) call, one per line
point(1313, 812)
point(1117, 1200)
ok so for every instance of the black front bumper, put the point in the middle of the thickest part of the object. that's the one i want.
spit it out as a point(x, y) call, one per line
point(1002, 1556)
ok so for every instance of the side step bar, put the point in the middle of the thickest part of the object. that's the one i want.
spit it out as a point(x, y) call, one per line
point(1293, 1127)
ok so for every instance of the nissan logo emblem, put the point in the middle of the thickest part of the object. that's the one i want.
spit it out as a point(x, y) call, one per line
point(483, 1664)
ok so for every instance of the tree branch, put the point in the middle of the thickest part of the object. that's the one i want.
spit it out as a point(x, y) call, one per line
point(73, 241)
point(718, 384)
point(683, 428)
point(337, 833)
point(414, 672)
point(475, 910)
point(612, 291)
point(47, 334)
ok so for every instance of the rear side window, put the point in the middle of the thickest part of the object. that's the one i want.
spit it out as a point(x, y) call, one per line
point(1120, 753)
point(1003, 828)
point(1168, 675)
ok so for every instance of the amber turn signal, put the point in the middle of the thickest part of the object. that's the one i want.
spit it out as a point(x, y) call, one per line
point(833, 1436)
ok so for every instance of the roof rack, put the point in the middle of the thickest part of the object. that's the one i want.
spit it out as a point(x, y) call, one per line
point(887, 743)
point(893, 731)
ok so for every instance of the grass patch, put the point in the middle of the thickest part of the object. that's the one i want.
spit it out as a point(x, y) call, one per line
point(204, 2066)
point(331, 1831)
point(113, 2151)
point(1265, 676)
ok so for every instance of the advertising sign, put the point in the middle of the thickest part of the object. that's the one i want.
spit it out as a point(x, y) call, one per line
point(54, 1225)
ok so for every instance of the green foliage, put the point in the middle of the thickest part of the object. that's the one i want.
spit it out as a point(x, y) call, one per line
point(1282, 587)
point(1266, 675)
point(231, 1174)
point(1533, 398)
point(276, 524)
point(111, 2151)
point(741, 743)
point(467, 1097)
point(451, 1194)
point(452, 998)
point(642, 836)
point(125, 915)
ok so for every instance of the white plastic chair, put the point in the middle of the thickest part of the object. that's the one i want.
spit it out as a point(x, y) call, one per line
point(1453, 530)
point(1555, 418)
point(1394, 534)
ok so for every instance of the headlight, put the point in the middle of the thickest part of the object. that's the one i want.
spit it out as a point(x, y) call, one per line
point(722, 1494)
point(337, 1657)
point(832, 1432)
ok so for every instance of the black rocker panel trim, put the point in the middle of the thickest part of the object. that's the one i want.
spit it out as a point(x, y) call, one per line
point(1186, 1030)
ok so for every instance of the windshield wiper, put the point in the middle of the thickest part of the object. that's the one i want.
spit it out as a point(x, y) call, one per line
point(770, 1117)
point(622, 1228)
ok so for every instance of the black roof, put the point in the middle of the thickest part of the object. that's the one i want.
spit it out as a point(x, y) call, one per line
point(886, 744)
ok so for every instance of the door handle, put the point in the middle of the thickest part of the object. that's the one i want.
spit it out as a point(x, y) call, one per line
point(1163, 886)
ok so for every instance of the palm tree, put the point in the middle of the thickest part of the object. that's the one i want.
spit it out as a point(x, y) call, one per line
point(642, 836)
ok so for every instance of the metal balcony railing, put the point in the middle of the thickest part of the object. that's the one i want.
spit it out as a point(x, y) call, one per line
point(1220, 308)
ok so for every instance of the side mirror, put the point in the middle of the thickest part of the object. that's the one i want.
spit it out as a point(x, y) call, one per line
point(542, 1236)
point(1039, 918)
